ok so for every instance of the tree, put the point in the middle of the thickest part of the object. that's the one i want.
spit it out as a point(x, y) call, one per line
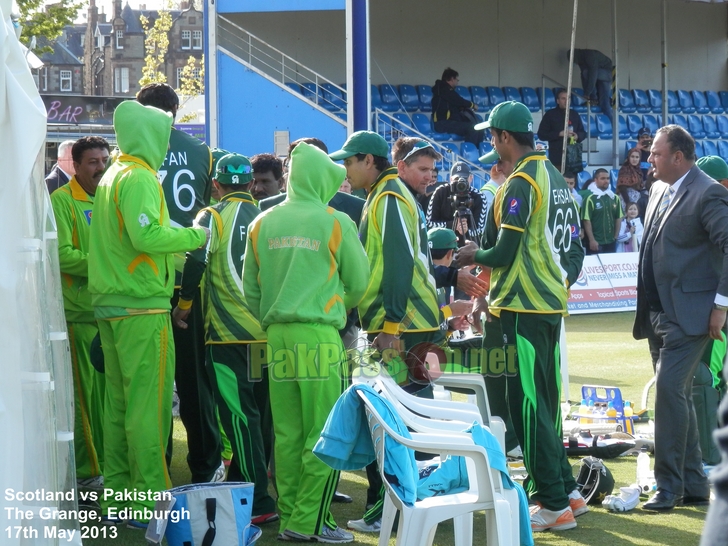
point(47, 22)
point(156, 44)
point(192, 83)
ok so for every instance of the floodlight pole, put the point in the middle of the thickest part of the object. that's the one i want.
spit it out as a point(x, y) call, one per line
point(615, 87)
point(358, 82)
point(664, 62)
point(568, 88)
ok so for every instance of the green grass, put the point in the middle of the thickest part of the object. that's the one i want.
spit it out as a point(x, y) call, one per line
point(601, 351)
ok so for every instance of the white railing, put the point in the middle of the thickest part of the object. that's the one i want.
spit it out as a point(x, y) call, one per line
point(280, 67)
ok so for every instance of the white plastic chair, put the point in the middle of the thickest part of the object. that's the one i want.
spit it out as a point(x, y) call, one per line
point(418, 523)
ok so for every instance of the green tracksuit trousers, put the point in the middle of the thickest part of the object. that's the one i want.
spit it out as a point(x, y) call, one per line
point(534, 403)
point(244, 410)
point(88, 398)
point(139, 364)
point(305, 382)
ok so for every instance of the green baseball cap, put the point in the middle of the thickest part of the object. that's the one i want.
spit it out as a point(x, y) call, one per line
point(509, 116)
point(713, 166)
point(490, 157)
point(442, 239)
point(362, 142)
point(234, 169)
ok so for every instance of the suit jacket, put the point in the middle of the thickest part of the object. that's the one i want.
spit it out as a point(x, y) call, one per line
point(55, 179)
point(689, 253)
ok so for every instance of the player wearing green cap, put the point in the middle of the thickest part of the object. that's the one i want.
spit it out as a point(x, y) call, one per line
point(131, 279)
point(72, 206)
point(536, 257)
point(231, 329)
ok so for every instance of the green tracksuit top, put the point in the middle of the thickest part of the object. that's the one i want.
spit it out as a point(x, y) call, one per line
point(227, 316)
point(131, 242)
point(402, 282)
point(536, 201)
point(72, 208)
point(306, 264)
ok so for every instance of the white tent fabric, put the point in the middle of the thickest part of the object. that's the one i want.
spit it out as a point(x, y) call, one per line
point(36, 396)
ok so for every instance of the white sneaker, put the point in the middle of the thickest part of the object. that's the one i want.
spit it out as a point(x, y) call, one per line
point(515, 453)
point(577, 503)
point(364, 527)
point(555, 520)
point(219, 475)
point(628, 499)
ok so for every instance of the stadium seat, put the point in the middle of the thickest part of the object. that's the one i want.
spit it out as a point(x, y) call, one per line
point(376, 98)
point(590, 129)
point(404, 124)
point(310, 91)
point(390, 98)
point(530, 99)
point(714, 103)
point(484, 148)
point(478, 181)
point(496, 95)
point(423, 124)
point(469, 152)
point(655, 100)
point(294, 86)
point(449, 158)
point(641, 101)
point(480, 98)
point(673, 103)
point(464, 92)
point(650, 121)
point(550, 101)
point(695, 126)
point(425, 94)
point(382, 124)
point(722, 122)
point(582, 178)
point(333, 95)
point(628, 146)
point(634, 124)
point(512, 93)
point(722, 149)
point(604, 127)
point(578, 103)
point(626, 102)
point(681, 120)
point(699, 148)
point(623, 130)
point(710, 127)
point(700, 102)
point(710, 148)
point(613, 174)
point(410, 98)
point(685, 100)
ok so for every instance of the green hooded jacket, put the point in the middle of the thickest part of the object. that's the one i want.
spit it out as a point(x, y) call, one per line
point(131, 243)
point(306, 264)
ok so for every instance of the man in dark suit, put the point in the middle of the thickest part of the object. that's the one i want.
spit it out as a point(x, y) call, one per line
point(682, 298)
point(63, 170)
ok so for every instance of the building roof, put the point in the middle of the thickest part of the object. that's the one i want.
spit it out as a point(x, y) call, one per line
point(60, 54)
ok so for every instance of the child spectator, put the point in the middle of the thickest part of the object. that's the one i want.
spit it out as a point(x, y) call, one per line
point(630, 232)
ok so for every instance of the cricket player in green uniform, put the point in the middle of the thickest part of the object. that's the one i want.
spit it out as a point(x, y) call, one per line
point(602, 215)
point(72, 206)
point(231, 329)
point(304, 268)
point(186, 178)
point(131, 279)
point(536, 257)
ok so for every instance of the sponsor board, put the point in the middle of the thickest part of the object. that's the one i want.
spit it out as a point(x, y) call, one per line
point(607, 283)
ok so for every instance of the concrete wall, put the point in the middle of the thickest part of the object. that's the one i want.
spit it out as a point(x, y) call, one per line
point(508, 42)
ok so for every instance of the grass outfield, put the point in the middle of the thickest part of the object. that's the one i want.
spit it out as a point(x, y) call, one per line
point(601, 351)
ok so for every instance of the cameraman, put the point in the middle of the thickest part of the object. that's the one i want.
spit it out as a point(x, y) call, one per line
point(458, 195)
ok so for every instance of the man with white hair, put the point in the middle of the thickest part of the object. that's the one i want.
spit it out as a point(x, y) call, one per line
point(63, 170)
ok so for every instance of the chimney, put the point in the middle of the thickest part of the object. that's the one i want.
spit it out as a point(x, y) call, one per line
point(143, 7)
point(184, 5)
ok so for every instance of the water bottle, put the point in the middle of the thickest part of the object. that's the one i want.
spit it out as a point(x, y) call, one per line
point(583, 410)
point(592, 411)
point(611, 411)
point(645, 476)
point(628, 414)
point(628, 411)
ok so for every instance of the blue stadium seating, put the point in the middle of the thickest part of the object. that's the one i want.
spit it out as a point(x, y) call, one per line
point(626, 102)
point(695, 126)
point(549, 97)
point(655, 100)
point(478, 181)
point(650, 121)
point(423, 124)
point(485, 148)
point(634, 124)
point(390, 98)
point(699, 148)
point(628, 146)
point(642, 101)
point(410, 98)
point(613, 174)
point(710, 148)
point(376, 98)
point(723, 149)
point(592, 128)
point(623, 130)
point(724, 99)
point(310, 91)
point(530, 99)
point(480, 98)
point(512, 93)
point(679, 119)
point(448, 159)
point(469, 152)
point(403, 123)
point(582, 178)
point(425, 94)
point(710, 127)
point(700, 102)
point(673, 103)
point(332, 95)
point(578, 103)
point(496, 95)
point(722, 121)
point(685, 100)
point(464, 92)
point(294, 86)
point(604, 127)
point(714, 103)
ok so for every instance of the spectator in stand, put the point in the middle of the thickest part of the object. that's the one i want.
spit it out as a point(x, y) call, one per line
point(448, 109)
point(551, 128)
point(63, 170)
point(630, 185)
point(644, 143)
point(268, 176)
point(571, 182)
point(715, 168)
point(602, 216)
point(596, 77)
point(630, 232)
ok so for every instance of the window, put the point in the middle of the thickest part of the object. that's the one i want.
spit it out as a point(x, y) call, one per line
point(119, 39)
point(121, 79)
point(43, 73)
point(186, 38)
point(195, 75)
point(196, 39)
point(99, 41)
point(83, 40)
point(66, 81)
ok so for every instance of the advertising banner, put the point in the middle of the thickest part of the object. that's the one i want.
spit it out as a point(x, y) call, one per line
point(607, 283)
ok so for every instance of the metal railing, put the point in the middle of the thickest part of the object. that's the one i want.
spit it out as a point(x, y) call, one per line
point(281, 68)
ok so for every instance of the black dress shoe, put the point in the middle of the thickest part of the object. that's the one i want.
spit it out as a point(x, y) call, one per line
point(340, 497)
point(691, 500)
point(662, 500)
